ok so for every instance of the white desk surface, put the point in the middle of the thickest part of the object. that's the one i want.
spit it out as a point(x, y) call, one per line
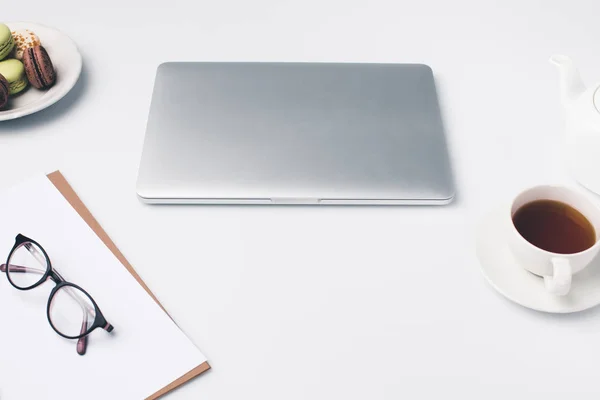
point(316, 302)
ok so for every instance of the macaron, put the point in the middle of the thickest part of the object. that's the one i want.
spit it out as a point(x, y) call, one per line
point(39, 68)
point(6, 41)
point(3, 92)
point(24, 39)
point(14, 72)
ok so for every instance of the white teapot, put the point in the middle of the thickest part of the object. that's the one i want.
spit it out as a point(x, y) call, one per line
point(582, 114)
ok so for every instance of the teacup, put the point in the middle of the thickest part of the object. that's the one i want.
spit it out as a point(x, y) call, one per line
point(557, 268)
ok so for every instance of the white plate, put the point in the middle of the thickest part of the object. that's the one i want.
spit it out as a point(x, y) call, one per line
point(66, 60)
point(502, 271)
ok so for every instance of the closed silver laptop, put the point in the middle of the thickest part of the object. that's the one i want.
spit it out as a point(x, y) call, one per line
point(295, 133)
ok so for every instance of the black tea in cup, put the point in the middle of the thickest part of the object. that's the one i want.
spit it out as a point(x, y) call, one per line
point(554, 226)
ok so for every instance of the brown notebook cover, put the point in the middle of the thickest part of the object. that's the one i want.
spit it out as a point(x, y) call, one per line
point(67, 191)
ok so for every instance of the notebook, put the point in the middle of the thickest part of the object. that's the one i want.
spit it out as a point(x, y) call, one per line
point(146, 356)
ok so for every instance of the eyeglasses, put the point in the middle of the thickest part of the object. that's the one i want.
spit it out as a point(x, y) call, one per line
point(71, 311)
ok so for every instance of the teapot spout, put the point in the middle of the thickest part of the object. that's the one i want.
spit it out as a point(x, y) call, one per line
point(571, 85)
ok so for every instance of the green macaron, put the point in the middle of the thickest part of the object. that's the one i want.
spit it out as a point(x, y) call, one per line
point(14, 72)
point(6, 41)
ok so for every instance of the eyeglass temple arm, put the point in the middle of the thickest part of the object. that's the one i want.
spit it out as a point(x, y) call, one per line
point(83, 341)
point(18, 268)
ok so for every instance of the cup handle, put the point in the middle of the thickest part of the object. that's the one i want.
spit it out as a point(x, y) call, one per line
point(559, 283)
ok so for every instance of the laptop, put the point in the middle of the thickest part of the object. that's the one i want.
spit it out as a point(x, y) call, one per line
point(294, 133)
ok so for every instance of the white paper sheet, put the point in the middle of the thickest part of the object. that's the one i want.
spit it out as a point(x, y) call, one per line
point(146, 350)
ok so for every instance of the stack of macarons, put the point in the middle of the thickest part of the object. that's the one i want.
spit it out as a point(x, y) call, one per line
point(23, 61)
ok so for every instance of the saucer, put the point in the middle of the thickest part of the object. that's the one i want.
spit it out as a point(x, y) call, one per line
point(504, 273)
point(67, 62)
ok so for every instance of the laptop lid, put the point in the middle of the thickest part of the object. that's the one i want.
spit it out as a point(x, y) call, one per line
point(295, 133)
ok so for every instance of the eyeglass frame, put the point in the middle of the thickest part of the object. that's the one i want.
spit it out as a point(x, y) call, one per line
point(52, 274)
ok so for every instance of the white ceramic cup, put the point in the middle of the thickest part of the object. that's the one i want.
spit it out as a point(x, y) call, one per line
point(557, 269)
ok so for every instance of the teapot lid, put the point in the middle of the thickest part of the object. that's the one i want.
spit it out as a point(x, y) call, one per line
point(597, 99)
